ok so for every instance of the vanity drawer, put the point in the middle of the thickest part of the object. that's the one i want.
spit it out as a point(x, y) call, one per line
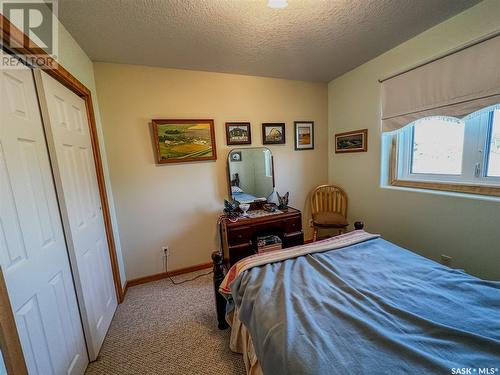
point(292, 225)
point(239, 235)
point(294, 239)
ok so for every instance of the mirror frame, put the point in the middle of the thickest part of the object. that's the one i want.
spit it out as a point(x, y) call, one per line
point(228, 172)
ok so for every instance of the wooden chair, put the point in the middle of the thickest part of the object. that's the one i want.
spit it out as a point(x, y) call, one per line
point(328, 208)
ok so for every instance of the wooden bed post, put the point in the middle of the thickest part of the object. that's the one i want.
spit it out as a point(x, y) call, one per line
point(359, 225)
point(220, 301)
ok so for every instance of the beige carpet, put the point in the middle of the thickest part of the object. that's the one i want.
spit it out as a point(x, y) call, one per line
point(163, 328)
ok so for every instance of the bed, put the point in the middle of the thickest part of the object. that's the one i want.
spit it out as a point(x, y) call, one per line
point(243, 197)
point(238, 194)
point(358, 304)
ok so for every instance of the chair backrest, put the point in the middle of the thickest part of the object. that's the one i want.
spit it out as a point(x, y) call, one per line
point(329, 198)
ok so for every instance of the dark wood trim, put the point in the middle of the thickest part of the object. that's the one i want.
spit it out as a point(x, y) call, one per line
point(104, 198)
point(58, 72)
point(9, 33)
point(364, 132)
point(493, 191)
point(282, 125)
point(156, 122)
point(164, 275)
point(9, 339)
point(249, 127)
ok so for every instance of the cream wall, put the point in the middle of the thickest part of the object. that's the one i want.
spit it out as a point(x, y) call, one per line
point(431, 224)
point(178, 204)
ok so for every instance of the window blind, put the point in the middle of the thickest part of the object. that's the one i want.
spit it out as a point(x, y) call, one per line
point(455, 85)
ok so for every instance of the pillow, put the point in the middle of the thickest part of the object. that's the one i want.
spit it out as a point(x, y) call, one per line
point(236, 189)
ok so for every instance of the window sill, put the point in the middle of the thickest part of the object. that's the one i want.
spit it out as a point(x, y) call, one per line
point(471, 191)
point(476, 197)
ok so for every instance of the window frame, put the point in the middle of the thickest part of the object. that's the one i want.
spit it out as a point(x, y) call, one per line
point(489, 134)
point(475, 157)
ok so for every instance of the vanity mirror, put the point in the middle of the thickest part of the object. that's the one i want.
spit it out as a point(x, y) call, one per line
point(251, 174)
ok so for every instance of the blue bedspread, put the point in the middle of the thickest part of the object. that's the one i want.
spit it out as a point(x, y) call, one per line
point(370, 308)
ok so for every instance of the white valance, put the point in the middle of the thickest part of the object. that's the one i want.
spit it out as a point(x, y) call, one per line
point(455, 85)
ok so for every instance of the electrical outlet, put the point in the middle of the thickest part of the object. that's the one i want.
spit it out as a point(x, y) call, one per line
point(165, 251)
point(445, 260)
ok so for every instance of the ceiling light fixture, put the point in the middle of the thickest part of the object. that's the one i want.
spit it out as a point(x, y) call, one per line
point(277, 4)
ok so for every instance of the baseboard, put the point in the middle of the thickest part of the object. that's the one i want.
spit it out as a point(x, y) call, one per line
point(164, 275)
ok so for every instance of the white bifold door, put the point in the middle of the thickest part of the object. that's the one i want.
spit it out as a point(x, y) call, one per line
point(33, 253)
point(66, 124)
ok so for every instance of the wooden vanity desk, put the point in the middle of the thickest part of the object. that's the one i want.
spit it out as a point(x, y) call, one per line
point(250, 176)
point(239, 238)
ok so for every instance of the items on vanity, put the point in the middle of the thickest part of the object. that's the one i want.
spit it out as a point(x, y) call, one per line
point(264, 227)
point(283, 200)
point(239, 239)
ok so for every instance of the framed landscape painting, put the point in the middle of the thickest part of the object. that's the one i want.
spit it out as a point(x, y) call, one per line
point(273, 133)
point(304, 135)
point(355, 141)
point(238, 133)
point(178, 141)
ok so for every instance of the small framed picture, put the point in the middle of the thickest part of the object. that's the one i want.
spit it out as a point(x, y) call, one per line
point(355, 141)
point(304, 135)
point(273, 133)
point(236, 156)
point(238, 133)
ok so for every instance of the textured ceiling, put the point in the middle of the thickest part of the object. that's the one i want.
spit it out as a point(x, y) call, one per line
point(314, 40)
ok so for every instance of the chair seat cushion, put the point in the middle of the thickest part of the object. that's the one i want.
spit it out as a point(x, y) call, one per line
point(329, 219)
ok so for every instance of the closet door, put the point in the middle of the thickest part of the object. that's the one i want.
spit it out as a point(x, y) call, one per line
point(66, 123)
point(33, 253)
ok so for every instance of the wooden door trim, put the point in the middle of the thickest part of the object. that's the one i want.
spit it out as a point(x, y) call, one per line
point(9, 32)
point(9, 339)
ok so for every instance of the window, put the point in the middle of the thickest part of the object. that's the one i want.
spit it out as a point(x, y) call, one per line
point(441, 121)
point(446, 150)
point(438, 146)
point(268, 163)
point(493, 169)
